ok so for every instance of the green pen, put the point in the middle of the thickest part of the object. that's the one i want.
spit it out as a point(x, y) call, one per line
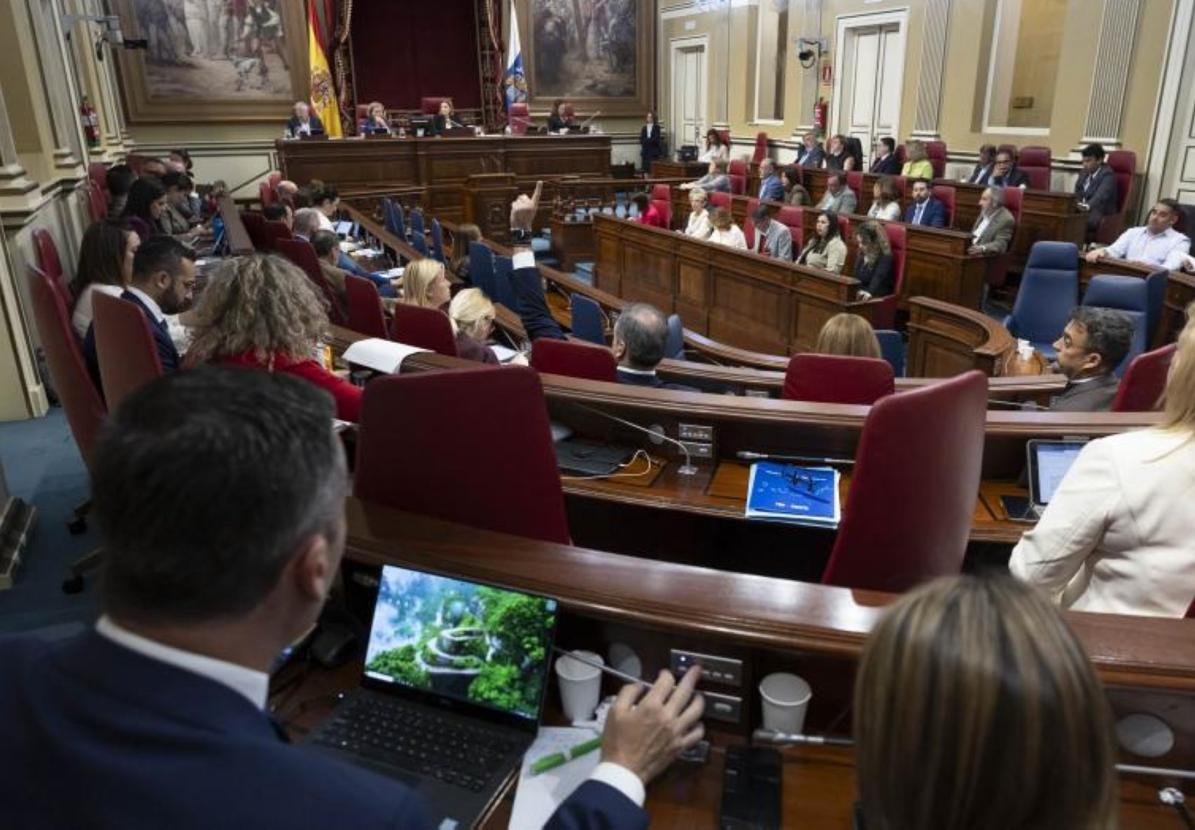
point(557, 759)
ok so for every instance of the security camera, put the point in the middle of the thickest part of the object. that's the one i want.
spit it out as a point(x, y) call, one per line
point(807, 55)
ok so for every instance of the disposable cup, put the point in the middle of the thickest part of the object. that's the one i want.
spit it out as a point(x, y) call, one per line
point(785, 701)
point(580, 685)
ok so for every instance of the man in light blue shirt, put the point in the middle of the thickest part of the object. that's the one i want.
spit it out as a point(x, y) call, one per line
point(1156, 244)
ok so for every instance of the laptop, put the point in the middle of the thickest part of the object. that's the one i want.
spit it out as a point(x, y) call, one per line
point(451, 691)
point(1048, 463)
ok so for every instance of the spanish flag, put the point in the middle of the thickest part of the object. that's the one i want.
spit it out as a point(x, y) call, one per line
point(323, 90)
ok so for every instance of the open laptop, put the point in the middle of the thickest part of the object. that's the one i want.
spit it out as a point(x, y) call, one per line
point(1048, 463)
point(451, 692)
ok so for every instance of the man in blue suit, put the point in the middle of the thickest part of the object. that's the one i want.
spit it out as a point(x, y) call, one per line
point(220, 493)
point(770, 187)
point(163, 283)
point(925, 209)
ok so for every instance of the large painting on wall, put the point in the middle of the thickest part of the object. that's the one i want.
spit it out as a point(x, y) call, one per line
point(223, 60)
point(596, 53)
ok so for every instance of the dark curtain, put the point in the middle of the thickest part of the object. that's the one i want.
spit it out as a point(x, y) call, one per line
point(404, 50)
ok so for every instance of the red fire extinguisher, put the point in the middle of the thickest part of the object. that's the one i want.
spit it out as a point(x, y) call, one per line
point(91, 123)
point(819, 115)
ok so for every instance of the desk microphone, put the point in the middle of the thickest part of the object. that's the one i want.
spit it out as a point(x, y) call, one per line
point(686, 470)
point(1019, 404)
point(748, 455)
point(768, 736)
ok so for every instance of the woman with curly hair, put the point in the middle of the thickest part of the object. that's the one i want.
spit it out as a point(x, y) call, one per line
point(262, 311)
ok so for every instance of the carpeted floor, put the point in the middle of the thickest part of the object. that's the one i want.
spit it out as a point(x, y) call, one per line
point(42, 466)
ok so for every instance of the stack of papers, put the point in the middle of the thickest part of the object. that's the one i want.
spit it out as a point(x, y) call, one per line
point(538, 796)
point(794, 494)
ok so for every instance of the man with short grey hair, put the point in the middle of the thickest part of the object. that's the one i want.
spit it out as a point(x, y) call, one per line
point(993, 228)
point(1092, 345)
point(305, 223)
point(839, 197)
point(640, 338)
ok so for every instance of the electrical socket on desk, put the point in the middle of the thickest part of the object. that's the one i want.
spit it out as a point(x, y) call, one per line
point(695, 432)
point(725, 670)
point(697, 449)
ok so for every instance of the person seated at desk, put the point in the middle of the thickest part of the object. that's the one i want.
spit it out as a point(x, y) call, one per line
point(307, 221)
point(794, 192)
point(925, 209)
point(917, 164)
point(648, 215)
point(280, 212)
point(839, 198)
point(425, 283)
point(651, 142)
point(1155, 244)
point(1012, 726)
point(374, 122)
point(1005, 172)
point(715, 150)
point(162, 283)
point(848, 335)
point(884, 204)
point(698, 225)
point(885, 163)
point(770, 187)
point(983, 166)
point(715, 180)
point(640, 335)
point(1091, 346)
point(303, 122)
point(772, 238)
point(327, 251)
point(825, 250)
point(873, 263)
point(725, 231)
point(105, 266)
point(1119, 534)
point(839, 157)
point(287, 191)
point(119, 178)
point(1096, 188)
point(445, 119)
point(810, 153)
point(263, 312)
point(993, 228)
point(178, 188)
point(220, 493)
point(145, 206)
point(557, 120)
point(325, 198)
point(472, 316)
point(465, 233)
point(528, 285)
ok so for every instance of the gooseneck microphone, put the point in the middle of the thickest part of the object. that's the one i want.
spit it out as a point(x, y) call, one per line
point(686, 470)
point(748, 455)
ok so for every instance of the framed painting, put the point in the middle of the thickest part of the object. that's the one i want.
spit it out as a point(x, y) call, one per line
point(598, 54)
point(212, 60)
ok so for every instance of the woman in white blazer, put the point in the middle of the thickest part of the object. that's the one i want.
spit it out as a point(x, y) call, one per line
point(1119, 534)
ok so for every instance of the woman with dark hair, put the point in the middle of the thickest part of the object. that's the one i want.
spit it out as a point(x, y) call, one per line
point(648, 214)
point(794, 192)
point(105, 265)
point(715, 149)
point(873, 263)
point(326, 200)
point(651, 142)
point(884, 204)
point(145, 206)
point(839, 157)
point(825, 250)
point(557, 120)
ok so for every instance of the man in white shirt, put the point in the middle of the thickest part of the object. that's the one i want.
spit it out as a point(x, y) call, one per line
point(1156, 244)
point(698, 226)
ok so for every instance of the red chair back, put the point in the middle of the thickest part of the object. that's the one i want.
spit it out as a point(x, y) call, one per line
point(749, 223)
point(364, 312)
point(265, 194)
point(737, 170)
point(1014, 197)
point(430, 105)
point(422, 448)
point(793, 218)
point(300, 252)
point(854, 180)
point(255, 226)
point(761, 148)
point(573, 359)
point(124, 347)
point(900, 154)
point(725, 136)
point(935, 151)
point(81, 401)
point(661, 191)
point(844, 228)
point(1144, 381)
point(1036, 162)
point(427, 328)
point(97, 174)
point(47, 255)
point(900, 183)
point(719, 199)
point(896, 531)
point(273, 232)
point(945, 194)
point(520, 118)
point(97, 203)
point(831, 378)
point(1123, 164)
point(664, 206)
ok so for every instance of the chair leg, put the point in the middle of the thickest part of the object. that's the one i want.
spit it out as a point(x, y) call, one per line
point(79, 569)
point(78, 520)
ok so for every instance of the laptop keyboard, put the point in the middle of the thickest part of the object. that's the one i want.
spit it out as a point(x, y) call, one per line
point(415, 739)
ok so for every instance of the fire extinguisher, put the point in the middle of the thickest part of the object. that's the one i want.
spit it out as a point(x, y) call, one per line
point(819, 115)
point(91, 123)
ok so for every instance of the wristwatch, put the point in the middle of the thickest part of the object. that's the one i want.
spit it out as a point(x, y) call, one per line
point(520, 236)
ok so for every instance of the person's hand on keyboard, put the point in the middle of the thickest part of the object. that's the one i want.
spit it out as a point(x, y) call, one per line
point(645, 732)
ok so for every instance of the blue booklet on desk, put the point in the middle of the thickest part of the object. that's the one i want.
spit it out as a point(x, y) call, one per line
point(790, 493)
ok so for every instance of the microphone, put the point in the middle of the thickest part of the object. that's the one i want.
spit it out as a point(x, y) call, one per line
point(748, 455)
point(768, 736)
point(686, 470)
point(590, 118)
point(1019, 404)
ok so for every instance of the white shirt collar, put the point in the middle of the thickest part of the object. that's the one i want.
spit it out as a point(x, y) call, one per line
point(148, 301)
point(253, 685)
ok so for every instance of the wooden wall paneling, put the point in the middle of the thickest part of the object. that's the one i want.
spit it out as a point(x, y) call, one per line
point(648, 267)
point(694, 289)
point(750, 310)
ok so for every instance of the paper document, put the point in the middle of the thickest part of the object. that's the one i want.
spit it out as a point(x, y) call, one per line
point(379, 355)
point(538, 796)
point(505, 354)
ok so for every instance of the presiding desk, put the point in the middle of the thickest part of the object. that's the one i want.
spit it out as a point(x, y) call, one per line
point(1148, 665)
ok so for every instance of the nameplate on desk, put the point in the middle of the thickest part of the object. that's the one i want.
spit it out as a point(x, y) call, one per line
point(380, 355)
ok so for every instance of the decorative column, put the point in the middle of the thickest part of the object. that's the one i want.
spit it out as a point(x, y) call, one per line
point(58, 90)
point(91, 78)
point(812, 24)
point(13, 181)
point(929, 80)
point(1118, 30)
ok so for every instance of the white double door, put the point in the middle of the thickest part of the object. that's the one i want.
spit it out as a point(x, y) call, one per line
point(870, 76)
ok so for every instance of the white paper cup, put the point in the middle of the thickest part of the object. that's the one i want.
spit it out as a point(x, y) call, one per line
point(785, 701)
point(580, 685)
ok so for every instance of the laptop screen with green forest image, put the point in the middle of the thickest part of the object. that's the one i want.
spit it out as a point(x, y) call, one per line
point(474, 643)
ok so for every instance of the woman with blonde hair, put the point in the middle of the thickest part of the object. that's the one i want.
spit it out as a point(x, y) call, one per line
point(374, 122)
point(1118, 536)
point(472, 316)
point(465, 233)
point(977, 708)
point(725, 231)
point(917, 164)
point(262, 311)
point(424, 283)
point(848, 335)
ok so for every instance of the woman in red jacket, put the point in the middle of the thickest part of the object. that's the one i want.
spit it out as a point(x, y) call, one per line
point(262, 311)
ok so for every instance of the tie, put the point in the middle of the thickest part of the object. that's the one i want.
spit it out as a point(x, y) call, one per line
point(763, 244)
point(917, 215)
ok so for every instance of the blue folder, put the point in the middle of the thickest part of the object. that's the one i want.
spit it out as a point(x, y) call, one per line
point(794, 494)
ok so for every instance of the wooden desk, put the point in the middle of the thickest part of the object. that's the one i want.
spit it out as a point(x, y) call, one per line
point(687, 170)
point(1180, 293)
point(239, 242)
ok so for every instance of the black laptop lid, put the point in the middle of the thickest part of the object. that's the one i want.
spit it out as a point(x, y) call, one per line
point(461, 645)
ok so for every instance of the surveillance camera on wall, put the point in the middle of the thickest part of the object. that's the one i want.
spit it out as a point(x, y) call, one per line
point(809, 50)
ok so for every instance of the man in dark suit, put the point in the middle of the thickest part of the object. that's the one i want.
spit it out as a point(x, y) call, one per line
point(811, 153)
point(770, 186)
point(885, 162)
point(303, 122)
point(1005, 172)
point(983, 167)
point(162, 283)
point(1092, 345)
point(220, 492)
point(1096, 188)
point(925, 209)
point(639, 341)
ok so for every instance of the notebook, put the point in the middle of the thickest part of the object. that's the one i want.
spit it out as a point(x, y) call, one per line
point(794, 494)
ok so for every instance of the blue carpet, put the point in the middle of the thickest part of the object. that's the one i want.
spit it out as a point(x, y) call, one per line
point(43, 467)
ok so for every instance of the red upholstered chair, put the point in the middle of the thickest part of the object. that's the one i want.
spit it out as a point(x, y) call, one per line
point(749, 223)
point(427, 328)
point(97, 203)
point(430, 105)
point(661, 191)
point(831, 378)
point(300, 252)
point(421, 448)
point(255, 226)
point(520, 119)
point(908, 511)
point(947, 195)
point(364, 313)
point(761, 148)
point(362, 112)
point(844, 228)
point(793, 218)
point(574, 359)
point(935, 151)
point(274, 178)
point(266, 194)
point(719, 199)
point(1144, 381)
point(1035, 163)
point(725, 136)
point(1123, 164)
point(854, 180)
point(47, 255)
point(124, 347)
point(1014, 197)
point(274, 231)
point(737, 171)
point(882, 310)
point(900, 154)
point(997, 272)
point(664, 206)
point(901, 184)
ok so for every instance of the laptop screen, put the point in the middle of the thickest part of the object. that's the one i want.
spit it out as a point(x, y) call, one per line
point(1050, 461)
point(473, 643)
